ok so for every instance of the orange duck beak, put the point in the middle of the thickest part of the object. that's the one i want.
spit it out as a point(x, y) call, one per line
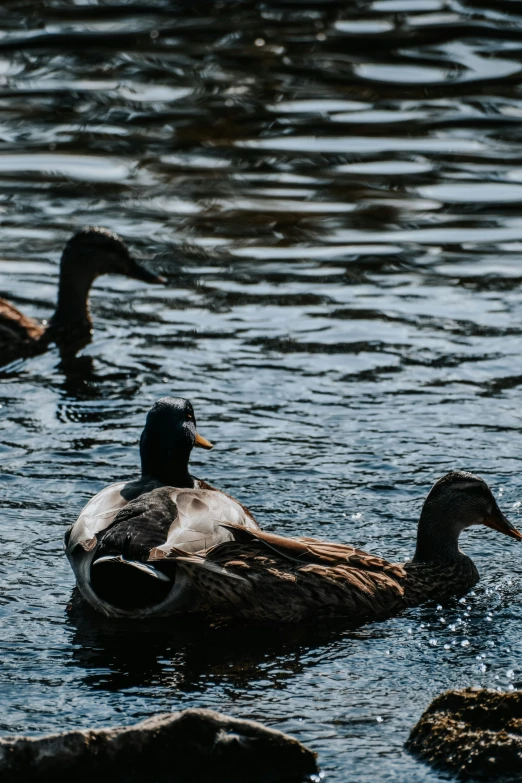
point(203, 443)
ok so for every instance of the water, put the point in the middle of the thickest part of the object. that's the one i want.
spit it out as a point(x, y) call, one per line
point(334, 192)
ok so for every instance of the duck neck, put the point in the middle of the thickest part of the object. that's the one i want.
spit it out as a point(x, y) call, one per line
point(170, 472)
point(437, 538)
point(72, 309)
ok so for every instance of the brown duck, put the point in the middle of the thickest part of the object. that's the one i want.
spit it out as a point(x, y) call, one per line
point(92, 252)
point(268, 578)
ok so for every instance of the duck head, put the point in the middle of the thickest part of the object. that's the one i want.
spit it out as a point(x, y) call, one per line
point(455, 502)
point(92, 252)
point(96, 251)
point(166, 442)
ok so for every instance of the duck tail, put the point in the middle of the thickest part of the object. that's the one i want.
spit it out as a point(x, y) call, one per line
point(129, 585)
point(148, 570)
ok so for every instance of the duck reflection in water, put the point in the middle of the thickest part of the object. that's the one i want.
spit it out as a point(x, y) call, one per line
point(92, 252)
point(177, 655)
point(84, 377)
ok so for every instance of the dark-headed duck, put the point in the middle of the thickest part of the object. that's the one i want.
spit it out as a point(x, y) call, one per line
point(92, 252)
point(110, 543)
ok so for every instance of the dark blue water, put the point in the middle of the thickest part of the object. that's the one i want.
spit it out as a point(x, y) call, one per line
point(334, 191)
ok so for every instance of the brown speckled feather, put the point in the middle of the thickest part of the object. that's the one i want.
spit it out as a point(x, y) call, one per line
point(439, 581)
point(17, 329)
point(312, 550)
point(268, 578)
point(301, 578)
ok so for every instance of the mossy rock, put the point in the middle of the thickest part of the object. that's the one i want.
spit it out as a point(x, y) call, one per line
point(476, 733)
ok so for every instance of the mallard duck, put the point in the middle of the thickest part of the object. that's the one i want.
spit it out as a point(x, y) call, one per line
point(269, 578)
point(110, 542)
point(92, 252)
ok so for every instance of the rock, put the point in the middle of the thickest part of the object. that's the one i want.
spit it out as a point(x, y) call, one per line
point(182, 746)
point(474, 732)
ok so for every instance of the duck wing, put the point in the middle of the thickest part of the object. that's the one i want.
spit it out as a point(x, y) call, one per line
point(97, 515)
point(138, 526)
point(100, 512)
point(198, 524)
point(19, 335)
point(269, 578)
point(200, 484)
point(20, 326)
point(317, 552)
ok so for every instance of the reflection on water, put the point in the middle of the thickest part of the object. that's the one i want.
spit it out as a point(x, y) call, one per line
point(333, 190)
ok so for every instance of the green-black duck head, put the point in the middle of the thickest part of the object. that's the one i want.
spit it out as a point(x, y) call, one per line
point(95, 251)
point(168, 438)
point(455, 502)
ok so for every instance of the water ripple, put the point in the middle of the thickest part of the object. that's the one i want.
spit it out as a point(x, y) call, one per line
point(333, 193)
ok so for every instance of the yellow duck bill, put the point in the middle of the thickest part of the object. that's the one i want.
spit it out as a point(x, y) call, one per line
point(202, 442)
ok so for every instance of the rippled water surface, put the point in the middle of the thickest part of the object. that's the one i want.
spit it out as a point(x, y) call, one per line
point(334, 191)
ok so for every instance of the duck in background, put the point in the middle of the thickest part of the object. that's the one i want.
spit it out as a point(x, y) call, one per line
point(108, 546)
point(92, 252)
point(264, 577)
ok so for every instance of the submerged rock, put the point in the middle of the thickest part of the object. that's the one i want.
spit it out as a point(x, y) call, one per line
point(182, 746)
point(475, 733)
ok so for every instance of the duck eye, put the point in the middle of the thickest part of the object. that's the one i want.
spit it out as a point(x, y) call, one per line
point(190, 416)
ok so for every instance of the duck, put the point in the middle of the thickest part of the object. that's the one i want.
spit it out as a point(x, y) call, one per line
point(89, 253)
point(268, 578)
point(109, 544)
